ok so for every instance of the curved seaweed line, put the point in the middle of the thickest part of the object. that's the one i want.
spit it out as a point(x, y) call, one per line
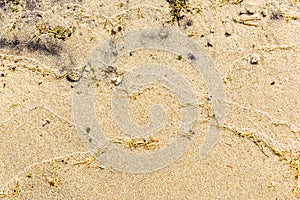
point(26, 169)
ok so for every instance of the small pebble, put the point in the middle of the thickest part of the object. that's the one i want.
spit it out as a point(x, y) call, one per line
point(191, 56)
point(73, 76)
point(88, 69)
point(228, 33)
point(154, 57)
point(255, 58)
point(110, 69)
point(116, 81)
point(250, 10)
point(264, 12)
point(212, 30)
point(209, 44)
point(102, 167)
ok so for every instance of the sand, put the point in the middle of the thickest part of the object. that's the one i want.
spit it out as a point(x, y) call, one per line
point(67, 133)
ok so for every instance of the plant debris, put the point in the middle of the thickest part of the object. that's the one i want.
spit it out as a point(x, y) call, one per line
point(177, 6)
point(223, 2)
point(293, 159)
point(87, 161)
point(275, 47)
point(247, 21)
point(148, 144)
point(296, 190)
point(57, 32)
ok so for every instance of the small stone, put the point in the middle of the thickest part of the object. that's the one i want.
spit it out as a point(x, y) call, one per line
point(102, 167)
point(250, 10)
point(191, 56)
point(255, 58)
point(264, 12)
point(73, 76)
point(154, 57)
point(116, 81)
point(212, 30)
point(228, 33)
point(110, 69)
point(243, 12)
point(209, 44)
point(88, 69)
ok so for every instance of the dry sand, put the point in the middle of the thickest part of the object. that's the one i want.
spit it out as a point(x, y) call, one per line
point(255, 46)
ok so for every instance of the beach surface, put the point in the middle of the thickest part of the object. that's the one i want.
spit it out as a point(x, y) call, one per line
point(62, 64)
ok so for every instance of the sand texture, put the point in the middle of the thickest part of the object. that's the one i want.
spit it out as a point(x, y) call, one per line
point(230, 69)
